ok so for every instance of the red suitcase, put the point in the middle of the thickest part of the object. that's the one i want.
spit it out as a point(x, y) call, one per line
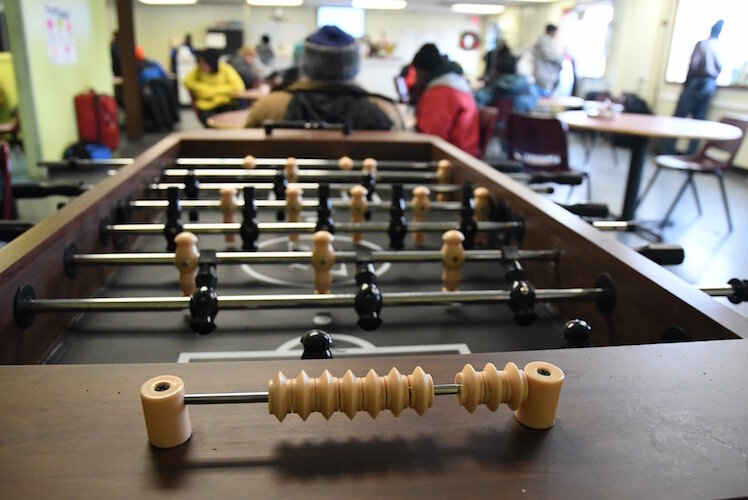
point(97, 119)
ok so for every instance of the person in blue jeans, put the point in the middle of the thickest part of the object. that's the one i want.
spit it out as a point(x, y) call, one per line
point(701, 84)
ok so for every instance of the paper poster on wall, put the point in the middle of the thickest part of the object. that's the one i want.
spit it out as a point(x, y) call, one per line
point(59, 29)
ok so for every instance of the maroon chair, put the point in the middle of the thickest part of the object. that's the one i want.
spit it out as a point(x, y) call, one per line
point(487, 128)
point(541, 145)
point(715, 157)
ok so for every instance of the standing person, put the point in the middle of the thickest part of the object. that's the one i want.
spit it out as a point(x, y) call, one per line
point(700, 85)
point(548, 57)
point(211, 85)
point(245, 63)
point(446, 106)
point(265, 51)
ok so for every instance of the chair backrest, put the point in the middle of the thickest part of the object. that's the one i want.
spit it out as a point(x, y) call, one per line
point(486, 126)
point(720, 154)
point(538, 136)
point(504, 105)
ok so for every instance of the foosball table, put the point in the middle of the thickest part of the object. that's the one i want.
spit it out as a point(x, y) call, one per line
point(425, 274)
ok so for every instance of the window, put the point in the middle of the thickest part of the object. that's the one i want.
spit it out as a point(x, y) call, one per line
point(348, 19)
point(693, 21)
point(584, 33)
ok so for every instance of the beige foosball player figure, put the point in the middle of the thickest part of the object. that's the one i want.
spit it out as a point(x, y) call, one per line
point(532, 393)
point(249, 162)
point(421, 207)
point(228, 209)
point(443, 176)
point(453, 257)
point(323, 258)
point(369, 166)
point(358, 208)
point(345, 163)
point(292, 169)
point(482, 212)
point(186, 255)
point(294, 204)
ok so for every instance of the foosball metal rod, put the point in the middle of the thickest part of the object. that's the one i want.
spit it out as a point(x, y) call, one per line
point(276, 204)
point(291, 301)
point(74, 163)
point(308, 227)
point(302, 162)
point(212, 398)
point(342, 175)
point(305, 186)
point(161, 258)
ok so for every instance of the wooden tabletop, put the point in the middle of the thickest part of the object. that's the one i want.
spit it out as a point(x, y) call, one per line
point(651, 126)
point(557, 103)
point(229, 119)
point(654, 421)
point(251, 94)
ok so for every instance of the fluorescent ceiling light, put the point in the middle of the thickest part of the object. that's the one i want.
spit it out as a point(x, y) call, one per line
point(379, 4)
point(477, 8)
point(275, 3)
point(168, 2)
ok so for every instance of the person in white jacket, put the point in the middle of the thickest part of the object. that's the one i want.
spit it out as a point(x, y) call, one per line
point(548, 56)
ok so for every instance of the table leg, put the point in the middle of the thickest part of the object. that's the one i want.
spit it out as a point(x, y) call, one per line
point(639, 146)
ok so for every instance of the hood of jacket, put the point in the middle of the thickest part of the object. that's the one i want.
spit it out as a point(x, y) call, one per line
point(452, 80)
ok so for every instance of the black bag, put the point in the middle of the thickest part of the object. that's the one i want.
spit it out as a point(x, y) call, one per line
point(632, 103)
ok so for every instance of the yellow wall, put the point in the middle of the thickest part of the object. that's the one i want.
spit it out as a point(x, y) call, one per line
point(49, 117)
point(8, 81)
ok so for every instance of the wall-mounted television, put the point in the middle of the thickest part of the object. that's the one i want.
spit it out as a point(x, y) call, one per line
point(348, 19)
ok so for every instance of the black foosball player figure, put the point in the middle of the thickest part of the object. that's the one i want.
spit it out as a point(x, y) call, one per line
point(192, 191)
point(398, 227)
point(317, 344)
point(368, 302)
point(173, 225)
point(204, 302)
point(249, 229)
point(325, 221)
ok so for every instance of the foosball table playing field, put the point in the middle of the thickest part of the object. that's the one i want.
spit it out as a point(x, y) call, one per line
point(174, 300)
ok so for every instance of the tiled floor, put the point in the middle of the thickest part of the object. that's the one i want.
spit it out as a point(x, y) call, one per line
point(713, 255)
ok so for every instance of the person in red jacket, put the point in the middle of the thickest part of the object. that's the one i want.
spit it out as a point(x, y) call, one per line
point(445, 107)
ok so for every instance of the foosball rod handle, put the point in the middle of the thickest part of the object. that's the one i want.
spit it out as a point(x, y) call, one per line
point(533, 394)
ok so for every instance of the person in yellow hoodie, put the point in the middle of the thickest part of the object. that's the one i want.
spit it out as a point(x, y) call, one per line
point(211, 85)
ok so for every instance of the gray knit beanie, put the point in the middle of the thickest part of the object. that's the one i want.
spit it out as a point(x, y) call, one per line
point(330, 54)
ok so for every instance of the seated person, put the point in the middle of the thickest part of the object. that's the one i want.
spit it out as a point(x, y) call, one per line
point(212, 84)
point(446, 107)
point(148, 69)
point(507, 84)
point(325, 92)
point(245, 63)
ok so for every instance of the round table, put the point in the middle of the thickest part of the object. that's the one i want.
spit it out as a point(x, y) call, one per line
point(641, 128)
point(229, 119)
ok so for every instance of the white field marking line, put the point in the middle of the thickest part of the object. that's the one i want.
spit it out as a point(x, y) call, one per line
point(340, 272)
point(188, 357)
